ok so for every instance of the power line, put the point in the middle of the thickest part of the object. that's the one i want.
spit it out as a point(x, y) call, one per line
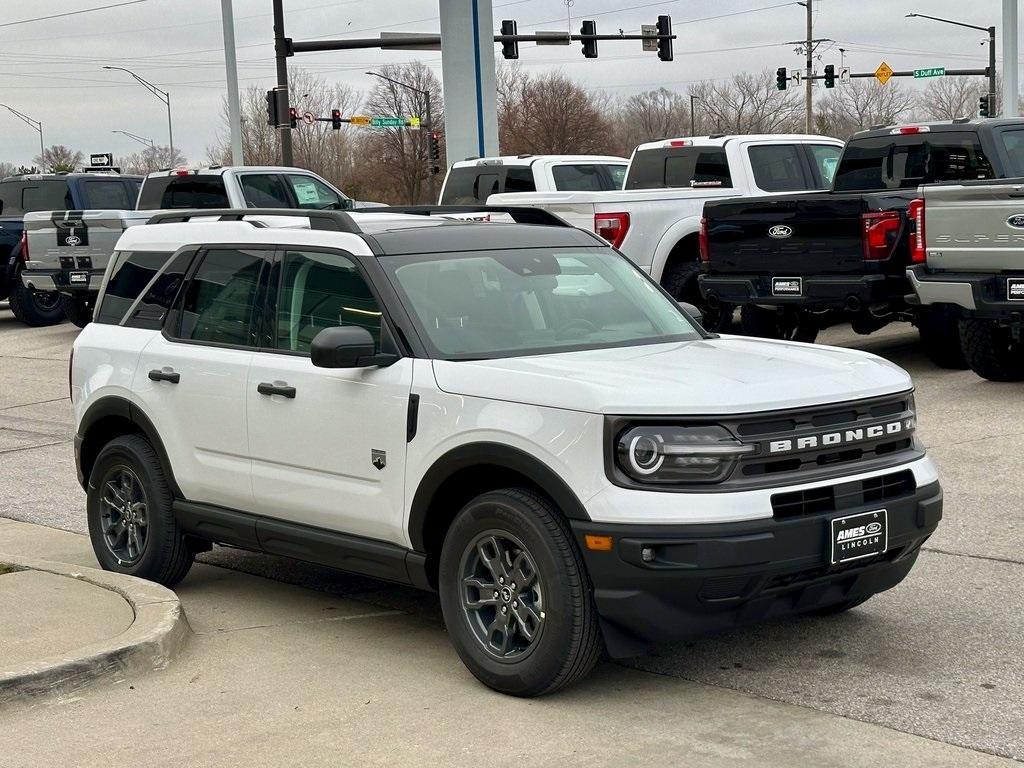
point(72, 13)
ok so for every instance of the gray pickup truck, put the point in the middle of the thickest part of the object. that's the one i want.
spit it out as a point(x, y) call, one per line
point(967, 254)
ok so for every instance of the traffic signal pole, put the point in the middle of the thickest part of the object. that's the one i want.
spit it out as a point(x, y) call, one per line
point(809, 74)
point(281, 53)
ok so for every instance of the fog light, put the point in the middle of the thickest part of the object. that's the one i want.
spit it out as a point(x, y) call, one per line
point(647, 554)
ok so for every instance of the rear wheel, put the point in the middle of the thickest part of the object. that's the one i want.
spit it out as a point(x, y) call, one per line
point(939, 326)
point(78, 309)
point(35, 308)
point(680, 280)
point(786, 323)
point(515, 595)
point(991, 350)
point(131, 525)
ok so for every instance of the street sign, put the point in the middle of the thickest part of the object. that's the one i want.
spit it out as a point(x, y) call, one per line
point(359, 120)
point(796, 78)
point(883, 73)
point(101, 160)
point(930, 72)
point(414, 122)
point(387, 122)
point(308, 118)
point(844, 75)
point(650, 30)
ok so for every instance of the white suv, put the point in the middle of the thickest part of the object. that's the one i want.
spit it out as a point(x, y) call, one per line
point(512, 414)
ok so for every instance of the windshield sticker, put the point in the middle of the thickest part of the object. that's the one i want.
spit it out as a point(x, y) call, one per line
point(306, 192)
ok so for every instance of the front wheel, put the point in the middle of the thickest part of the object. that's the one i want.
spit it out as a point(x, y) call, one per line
point(786, 323)
point(78, 309)
point(515, 595)
point(35, 308)
point(991, 350)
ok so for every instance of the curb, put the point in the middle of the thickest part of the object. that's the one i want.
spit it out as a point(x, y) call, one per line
point(156, 635)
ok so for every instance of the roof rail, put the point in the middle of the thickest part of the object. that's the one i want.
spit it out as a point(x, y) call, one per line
point(334, 221)
point(519, 214)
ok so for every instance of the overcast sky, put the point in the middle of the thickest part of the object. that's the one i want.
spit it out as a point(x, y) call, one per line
point(51, 70)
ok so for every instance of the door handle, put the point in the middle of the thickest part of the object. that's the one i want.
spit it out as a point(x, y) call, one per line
point(169, 376)
point(274, 389)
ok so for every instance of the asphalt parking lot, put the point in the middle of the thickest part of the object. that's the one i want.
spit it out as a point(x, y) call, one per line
point(941, 656)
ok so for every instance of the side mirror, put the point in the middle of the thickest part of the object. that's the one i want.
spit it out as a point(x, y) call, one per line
point(347, 346)
point(694, 313)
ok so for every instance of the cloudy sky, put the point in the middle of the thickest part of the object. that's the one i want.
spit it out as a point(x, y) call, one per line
point(52, 69)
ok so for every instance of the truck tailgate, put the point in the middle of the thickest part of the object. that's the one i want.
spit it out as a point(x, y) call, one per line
point(974, 227)
point(79, 235)
point(812, 234)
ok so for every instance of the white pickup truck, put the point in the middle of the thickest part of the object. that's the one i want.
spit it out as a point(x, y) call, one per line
point(655, 219)
point(471, 182)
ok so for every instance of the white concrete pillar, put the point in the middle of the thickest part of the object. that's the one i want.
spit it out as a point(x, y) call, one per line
point(1011, 68)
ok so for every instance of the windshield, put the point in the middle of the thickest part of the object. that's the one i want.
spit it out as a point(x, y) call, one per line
point(486, 304)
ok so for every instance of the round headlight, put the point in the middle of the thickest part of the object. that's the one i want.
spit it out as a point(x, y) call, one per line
point(645, 455)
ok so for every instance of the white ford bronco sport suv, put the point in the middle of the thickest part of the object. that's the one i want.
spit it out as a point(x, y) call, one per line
point(512, 414)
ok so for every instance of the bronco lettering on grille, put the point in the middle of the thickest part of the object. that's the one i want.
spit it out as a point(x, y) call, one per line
point(843, 437)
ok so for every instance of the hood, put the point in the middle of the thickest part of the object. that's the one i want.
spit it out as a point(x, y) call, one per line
point(727, 375)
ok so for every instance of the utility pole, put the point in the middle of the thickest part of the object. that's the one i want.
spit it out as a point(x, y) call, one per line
point(231, 73)
point(1010, 39)
point(281, 52)
point(38, 126)
point(808, 82)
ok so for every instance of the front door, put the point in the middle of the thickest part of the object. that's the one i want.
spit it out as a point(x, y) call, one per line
point(328, 446)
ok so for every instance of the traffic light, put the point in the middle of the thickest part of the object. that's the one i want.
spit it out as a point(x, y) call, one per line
point(830, 75)
point(509, 48)
point(589, 46)
point(780, 78)
point(271, 109)
point(984, 106)
point(435, 145)
point(335, 119)
point(664, 43)
point(293, 116)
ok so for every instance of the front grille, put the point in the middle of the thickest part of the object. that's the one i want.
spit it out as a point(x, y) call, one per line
point(833, 498)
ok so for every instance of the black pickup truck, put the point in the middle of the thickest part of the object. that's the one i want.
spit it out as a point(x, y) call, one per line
point(48, 192)
point(796, 263)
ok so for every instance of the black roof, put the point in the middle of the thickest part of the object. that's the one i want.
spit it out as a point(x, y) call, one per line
point(444, 236)
point(945, 126)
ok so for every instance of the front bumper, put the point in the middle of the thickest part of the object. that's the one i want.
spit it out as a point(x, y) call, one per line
point(711, 577)
point(817, 292)
point(985, 296)
point(63, 280)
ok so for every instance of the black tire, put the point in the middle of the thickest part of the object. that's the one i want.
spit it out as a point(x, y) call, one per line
point(939, 326)
point(78, 309)
point(991, 351)
point(165, 555)
point(770, 323)
point(680, 280)
point(34, 308)
point(566, 639)
point(832, 610)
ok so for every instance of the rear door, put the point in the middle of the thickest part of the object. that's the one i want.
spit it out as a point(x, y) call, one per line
point(975, 227)
point(191, 379)
point(328, 446)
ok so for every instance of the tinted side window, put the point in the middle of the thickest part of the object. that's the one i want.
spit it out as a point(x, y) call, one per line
point(161, 292)
point(777, 168)
point(183, 192)
point(904, 162)
point(130, 272)
point(219, 302)
point(262, 190)
point(321, 290)
point(46, 196)
point(679, 167)
point(1013, 144)
point(109, 194)
point(519, 179)
point(459, 186)
point(581, 178)
point(10, 196)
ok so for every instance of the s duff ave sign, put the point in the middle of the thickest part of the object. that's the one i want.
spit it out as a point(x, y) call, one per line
point(930, 72)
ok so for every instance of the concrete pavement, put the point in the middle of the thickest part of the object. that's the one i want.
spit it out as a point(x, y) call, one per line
point(280, 675)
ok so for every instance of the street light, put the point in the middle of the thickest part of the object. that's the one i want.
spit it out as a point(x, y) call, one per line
point(430, 122)
point(693, 122)
point(991, 48)
point(141, 139)
point(164, 96)
point(29, 121)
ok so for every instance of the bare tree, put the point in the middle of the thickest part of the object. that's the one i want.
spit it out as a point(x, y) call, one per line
point(748, 103)
point(399, 157)
point(7, 169)
point(151, 159)
point(858, 104)
point(58, 158)
point(651, 115)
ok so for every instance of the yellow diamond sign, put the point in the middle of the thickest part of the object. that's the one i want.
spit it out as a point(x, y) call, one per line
point(883, 73)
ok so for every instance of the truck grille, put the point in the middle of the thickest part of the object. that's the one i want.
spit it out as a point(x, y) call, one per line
point(834, 498)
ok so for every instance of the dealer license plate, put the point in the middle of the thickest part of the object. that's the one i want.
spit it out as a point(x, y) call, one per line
point(787, 286)
point(78, 278)
point(854, 537)
point(1015, 289)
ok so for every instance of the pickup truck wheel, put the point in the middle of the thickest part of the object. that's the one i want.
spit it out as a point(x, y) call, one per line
point(991, 351)
point(128, 505)
point(771, 323)
point(35, 308)
point(680, 280)
point(78, 309)
point(939, 326)
point(515, 595)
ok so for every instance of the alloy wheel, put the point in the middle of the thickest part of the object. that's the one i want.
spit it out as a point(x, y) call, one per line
point(124, 515)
